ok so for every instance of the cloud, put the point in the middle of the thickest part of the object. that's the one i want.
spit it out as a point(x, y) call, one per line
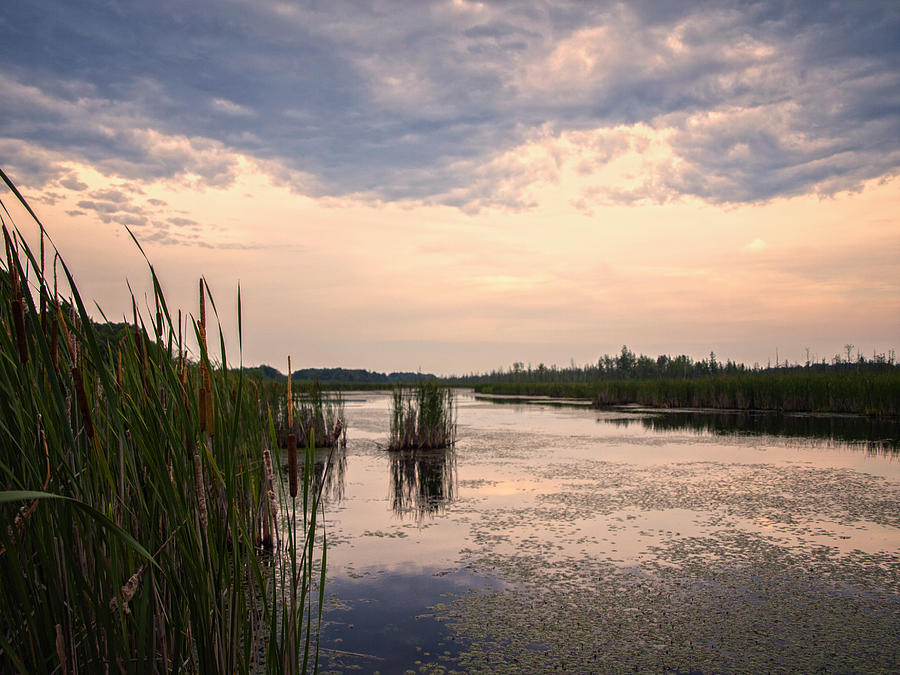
point(755, 246)
point(757, 101)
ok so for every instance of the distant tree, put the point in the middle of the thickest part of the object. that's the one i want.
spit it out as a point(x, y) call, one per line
point(625, 362)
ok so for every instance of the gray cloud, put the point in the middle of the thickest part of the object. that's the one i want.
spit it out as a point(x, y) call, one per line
point(398, 102)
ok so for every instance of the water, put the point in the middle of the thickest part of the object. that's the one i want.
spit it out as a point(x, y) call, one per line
point(592, 541)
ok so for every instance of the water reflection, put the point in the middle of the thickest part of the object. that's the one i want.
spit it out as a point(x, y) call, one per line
point(878, 435)
point(328, 473)
point(423, 482)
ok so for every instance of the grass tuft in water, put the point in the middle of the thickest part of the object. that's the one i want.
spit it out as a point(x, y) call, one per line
point(422, 417)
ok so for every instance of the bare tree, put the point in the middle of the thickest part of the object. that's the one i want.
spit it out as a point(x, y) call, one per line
point(849, 349)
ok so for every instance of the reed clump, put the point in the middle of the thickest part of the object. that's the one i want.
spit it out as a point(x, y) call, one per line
point(137, 496)
point(313, 415)
point(422, 417)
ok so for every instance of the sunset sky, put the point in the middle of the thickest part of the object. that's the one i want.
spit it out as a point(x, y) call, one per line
point(453, 186)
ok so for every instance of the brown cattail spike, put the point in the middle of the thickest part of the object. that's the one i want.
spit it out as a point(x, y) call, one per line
point(201, 492)
point(202, 407)
point(292, 462)
point(83, 406)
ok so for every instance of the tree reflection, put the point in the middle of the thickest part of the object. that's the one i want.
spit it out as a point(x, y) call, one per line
point(423, 482)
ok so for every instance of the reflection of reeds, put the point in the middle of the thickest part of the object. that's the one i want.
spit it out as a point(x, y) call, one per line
point(116, 497)
point(875, 434)
point(328, 471)
point(422, 417)
point(423, 482)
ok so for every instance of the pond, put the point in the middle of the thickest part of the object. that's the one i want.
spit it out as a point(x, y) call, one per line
point(576, 540)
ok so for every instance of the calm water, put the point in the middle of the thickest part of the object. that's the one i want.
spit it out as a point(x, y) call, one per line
point(583, 541)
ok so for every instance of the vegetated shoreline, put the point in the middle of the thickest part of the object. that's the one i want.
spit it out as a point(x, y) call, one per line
point(141, 512)
point(873, 394)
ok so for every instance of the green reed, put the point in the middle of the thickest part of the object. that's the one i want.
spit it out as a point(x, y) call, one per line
point(422, 417)
point(140, 505)
point(869, 393)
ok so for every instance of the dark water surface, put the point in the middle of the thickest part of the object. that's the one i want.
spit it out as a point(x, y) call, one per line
point(570, 539)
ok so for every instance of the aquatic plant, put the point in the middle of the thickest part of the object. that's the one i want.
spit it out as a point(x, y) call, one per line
point(422, 417)
point(840, 391)
point(313, 413)
point(321, 416)
point(139, 504)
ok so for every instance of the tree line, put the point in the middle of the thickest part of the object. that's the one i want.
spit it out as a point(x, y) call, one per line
point(627, 366)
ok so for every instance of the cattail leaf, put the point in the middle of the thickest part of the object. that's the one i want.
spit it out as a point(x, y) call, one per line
point(26, 495)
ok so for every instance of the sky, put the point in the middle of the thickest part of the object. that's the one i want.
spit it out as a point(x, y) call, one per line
point(452, 186)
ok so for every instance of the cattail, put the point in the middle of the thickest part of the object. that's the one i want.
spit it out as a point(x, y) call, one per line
point(210, 408)
point(201, 491)
point(290, 399)
point(268, 472)
point(202, 408)
point(17, 302)
point(292, 462)
point(60, 640)
point(18, 310)
point(127, 592)
point(271, 504)
point(81, 397)
point(292, 437)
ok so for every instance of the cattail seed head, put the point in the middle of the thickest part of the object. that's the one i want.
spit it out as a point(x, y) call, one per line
point(292, 462)
point(201, 408)
point(268, 473)
point(201, 492)
point(81, 397)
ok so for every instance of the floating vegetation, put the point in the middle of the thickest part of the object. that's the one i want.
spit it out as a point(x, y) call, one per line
point(138, 498)
point(748, 572)
point(422, 418)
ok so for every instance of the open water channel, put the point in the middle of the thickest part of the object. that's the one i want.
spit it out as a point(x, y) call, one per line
point(567, 539)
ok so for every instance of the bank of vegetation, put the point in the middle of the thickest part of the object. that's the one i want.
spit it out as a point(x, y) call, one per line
point(140, 493)
point(859, 386)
